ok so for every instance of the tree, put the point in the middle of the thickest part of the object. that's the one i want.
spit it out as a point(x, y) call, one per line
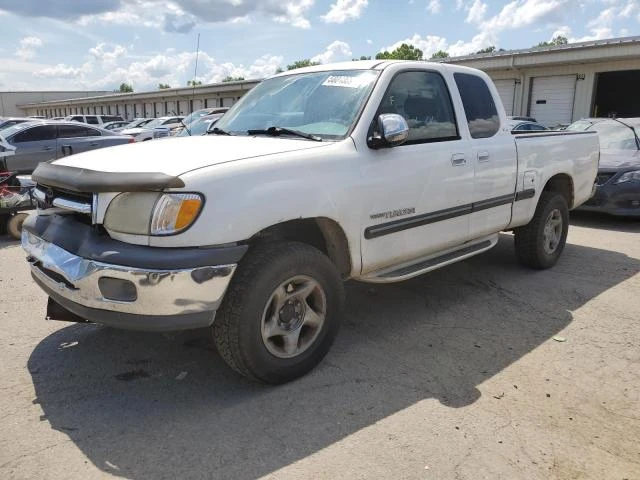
point(194, 83)
point(559, 40)
point(301, 64)
point(232, 79)
point(362, 57)
point(440, 54)
point(162, 86)
point(403, 52)
point(279, 70)
point(125, 88)
point(490, 49)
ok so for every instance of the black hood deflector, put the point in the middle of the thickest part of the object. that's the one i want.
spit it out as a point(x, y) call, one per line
point(85, 180)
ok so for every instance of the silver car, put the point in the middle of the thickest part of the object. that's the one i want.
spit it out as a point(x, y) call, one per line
point(41, 141)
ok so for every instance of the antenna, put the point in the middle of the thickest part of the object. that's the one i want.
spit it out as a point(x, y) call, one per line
point(193, 83)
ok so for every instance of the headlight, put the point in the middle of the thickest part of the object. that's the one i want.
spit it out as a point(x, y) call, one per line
point(633, 176)
point(152, 213)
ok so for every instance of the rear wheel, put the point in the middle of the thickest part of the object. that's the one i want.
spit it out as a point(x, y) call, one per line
point(540, 242)
point(281, 313)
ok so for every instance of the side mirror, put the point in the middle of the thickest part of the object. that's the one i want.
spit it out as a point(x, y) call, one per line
point(393, 131)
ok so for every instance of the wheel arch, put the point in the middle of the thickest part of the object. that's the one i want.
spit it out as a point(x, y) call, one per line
point(323, 233)
point(561, 183)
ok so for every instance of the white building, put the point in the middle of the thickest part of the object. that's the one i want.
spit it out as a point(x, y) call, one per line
point(561, 84)
point(11, 102)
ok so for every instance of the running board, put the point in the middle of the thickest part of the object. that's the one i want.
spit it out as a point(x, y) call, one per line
point(405, 272)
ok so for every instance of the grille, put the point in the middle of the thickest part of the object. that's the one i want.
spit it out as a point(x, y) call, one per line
point(79, 202)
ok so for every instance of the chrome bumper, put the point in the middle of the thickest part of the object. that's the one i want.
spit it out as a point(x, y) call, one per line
point(150, 293)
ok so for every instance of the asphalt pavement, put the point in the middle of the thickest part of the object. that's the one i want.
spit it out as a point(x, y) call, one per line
point(483, 369)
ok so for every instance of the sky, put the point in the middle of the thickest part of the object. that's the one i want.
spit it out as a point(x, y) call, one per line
point(98, 44)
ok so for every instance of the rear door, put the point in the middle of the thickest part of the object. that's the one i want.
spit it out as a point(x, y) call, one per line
point(79, 138)
point(33, 145)
point(493, 155)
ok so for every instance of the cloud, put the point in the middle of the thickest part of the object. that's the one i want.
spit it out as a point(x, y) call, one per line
point(336, 51)
point(174, 23)
point(477, 12)
point(344, 10)
point(434, 6)
point(60, 9)
point(174, 16)
point(522, 13)
point(63, 71)
point(430, 44)
point(28, 47)
point(107, 54)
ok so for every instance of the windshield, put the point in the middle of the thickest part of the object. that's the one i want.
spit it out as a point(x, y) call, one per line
point(579, 125)
point(10, 130)
point(155, 123)
point(325, 104)
point(198, 127)
point(614, 135)
point(195, 116)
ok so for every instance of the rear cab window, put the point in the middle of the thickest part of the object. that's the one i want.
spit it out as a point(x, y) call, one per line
point(479, 106)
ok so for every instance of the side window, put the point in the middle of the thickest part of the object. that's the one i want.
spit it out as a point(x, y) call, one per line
point(537, 128)
point(423, 99)
point(92, 120)
point(92, 132)
point(71, 131)
point(77, 119)
point(43, 132)
point(479, 107)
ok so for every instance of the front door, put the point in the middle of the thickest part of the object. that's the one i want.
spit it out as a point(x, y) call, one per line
point(417, 195)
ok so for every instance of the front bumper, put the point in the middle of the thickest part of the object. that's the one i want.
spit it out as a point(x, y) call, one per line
point(131, 297)
point(621, 199)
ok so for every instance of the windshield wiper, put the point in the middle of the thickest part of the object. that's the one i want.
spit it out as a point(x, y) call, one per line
point(218, 131)
point(277, 131)
point(632, 129)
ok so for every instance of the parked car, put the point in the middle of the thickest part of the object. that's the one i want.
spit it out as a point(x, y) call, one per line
point(135, 123)
point(57, 118)
point(195, 116)
point(526, 119)
point(618, 181)
point(525, 126)
point(377, 171)
point(8, 122)
point(156, 128)
point(115, 125)
point(200, 126)
point(93, 119)
point(45, 140)
point(203, 112)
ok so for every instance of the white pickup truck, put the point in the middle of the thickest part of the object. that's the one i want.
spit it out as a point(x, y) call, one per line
point(376, 171)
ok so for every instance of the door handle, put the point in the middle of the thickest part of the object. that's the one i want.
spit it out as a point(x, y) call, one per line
point(94, 144)
point(457, 159)
point(483, 156)
point(46, 149)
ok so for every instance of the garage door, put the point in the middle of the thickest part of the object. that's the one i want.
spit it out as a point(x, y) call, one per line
point(506, 90)
point(552, 99)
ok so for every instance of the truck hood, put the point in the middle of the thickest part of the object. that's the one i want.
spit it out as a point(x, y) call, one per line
point(619, 159)
point(175, 156)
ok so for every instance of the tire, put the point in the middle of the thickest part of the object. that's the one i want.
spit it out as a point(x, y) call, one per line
point(540, 242)
point(14, 225)
point(281, 312)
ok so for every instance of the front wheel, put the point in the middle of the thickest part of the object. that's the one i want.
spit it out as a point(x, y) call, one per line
point(540, 242)
point(281, 312)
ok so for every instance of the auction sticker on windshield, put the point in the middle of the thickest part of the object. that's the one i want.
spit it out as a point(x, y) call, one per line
point(347, 81)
